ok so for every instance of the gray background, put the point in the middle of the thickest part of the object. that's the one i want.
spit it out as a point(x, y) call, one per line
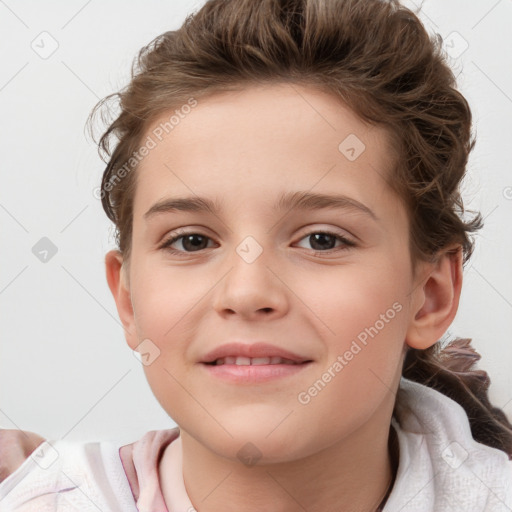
point(65, 370)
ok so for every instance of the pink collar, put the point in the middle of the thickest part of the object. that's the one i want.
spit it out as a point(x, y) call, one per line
point(140, 461)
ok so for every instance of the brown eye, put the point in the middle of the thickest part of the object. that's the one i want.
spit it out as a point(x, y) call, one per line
point(323, 241)
point(190, 242)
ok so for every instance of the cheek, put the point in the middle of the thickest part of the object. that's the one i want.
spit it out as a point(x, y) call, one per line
point(164, 302)
point(363, 355)
point(363, 322)
point(162, 298)
point(355, 298)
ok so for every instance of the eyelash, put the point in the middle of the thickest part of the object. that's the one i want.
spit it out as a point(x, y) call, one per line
point(181, 234)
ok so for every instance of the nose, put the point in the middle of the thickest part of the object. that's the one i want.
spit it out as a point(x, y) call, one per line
point(252, 290)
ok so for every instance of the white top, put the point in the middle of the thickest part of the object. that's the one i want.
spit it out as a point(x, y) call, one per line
point(441, 468)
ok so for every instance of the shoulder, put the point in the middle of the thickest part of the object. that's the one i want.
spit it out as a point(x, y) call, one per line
point(140, 461)
point(66, 475)
point(15, 447)
point(440, 463)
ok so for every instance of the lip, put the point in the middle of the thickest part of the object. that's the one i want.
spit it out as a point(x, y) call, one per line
point(251, 374)
point(252, 350)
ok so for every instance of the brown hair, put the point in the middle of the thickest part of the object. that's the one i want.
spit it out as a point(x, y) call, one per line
point(376, 57)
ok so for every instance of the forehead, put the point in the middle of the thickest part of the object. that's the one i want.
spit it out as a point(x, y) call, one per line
point(257, 141)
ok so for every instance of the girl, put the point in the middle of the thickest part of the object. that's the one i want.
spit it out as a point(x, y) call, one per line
point(285, 186)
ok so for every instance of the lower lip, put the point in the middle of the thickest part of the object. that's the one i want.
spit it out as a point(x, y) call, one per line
point(254, 373)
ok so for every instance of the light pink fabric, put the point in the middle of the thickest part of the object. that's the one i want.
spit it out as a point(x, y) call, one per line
point(140, 462)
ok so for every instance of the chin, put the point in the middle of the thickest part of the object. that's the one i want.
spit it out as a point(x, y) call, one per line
point(253, 445)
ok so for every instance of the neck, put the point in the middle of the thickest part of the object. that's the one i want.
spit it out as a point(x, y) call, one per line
point(353, 475)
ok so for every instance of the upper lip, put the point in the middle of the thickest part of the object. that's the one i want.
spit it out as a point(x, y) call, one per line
point(252, 350)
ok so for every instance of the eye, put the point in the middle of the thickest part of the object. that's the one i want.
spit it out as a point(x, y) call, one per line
point(324, 241)
point(321, 241)
point(190, 242)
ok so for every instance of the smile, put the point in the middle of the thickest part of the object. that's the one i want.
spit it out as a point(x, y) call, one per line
point(252, 361)
point(250, 371)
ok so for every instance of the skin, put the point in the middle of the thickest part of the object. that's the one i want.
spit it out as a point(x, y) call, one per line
point(15, 447)
point(244, 149)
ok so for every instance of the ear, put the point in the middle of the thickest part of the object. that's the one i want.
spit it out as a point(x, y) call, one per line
point(118, 283)
point(435, 299)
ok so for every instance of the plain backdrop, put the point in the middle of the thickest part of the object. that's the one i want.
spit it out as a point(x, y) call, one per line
point(65, 369)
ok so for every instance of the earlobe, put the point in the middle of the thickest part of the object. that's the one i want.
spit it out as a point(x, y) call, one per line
point(438, 297)
point(118, 283)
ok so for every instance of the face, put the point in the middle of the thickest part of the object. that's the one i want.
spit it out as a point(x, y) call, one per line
point(330, 283)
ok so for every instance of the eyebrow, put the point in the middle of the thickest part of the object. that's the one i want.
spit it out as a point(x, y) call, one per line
point(300, 200)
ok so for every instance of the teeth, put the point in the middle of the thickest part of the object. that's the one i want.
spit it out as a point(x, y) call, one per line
point(260, 360)
point(246, 361)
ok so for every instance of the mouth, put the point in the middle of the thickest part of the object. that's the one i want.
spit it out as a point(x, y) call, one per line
point(248, 373)
point(252, 354)
point(254, 361)
point(258, 369)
